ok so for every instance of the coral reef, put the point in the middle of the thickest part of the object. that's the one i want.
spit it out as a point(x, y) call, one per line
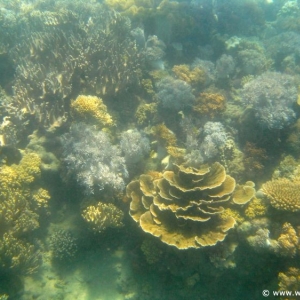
point(183, 207)
point(283, 194)
point(92, 160)
point(102, 216)
point(91, 109)
point(272, 96)
point(94, 51)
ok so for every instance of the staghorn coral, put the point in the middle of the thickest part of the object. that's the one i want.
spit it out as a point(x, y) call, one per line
point(62, 53)
point(102, 216)
point(283, 194)
point(92, 160)
point(184, 207)
point(271, 96)
point(91, 109)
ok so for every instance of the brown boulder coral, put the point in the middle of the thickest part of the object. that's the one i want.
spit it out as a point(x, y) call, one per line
point(184, 207)
point(283, 194)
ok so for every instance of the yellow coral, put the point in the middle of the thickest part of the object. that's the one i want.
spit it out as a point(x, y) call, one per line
point(162, 133)
point(17, 214)
point(228, 212)
point(283, 194)
point(256, 208)
point(210, 104)
point(289, 281)
point(91, 108)
point(102, 215)
point(144, 112)
point(287, 241)
point(41, 197)
point(194, 77)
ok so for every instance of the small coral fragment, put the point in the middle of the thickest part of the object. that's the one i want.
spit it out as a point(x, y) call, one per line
point(89, 108)
point(102, 215)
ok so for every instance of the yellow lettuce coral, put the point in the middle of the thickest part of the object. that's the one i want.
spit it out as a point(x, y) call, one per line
point(91, 109)
point(184, 208)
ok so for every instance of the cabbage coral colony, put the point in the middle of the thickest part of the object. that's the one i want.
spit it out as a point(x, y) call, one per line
point(163, 132)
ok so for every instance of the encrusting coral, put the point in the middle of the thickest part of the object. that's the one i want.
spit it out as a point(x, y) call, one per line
point(184, 207)
point(283, 194)
point(103, 215)
point(91, 109)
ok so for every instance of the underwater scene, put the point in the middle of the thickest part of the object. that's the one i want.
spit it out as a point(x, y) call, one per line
point(149, 149)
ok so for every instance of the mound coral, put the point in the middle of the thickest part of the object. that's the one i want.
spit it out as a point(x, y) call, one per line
point(183, 208)
point(102, 215)
point(283, 194)
point(91, 109)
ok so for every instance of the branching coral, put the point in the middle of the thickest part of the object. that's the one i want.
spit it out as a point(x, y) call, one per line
point(283, 194)
point(76, 52)
point(91, 109)
point(17, 212)
point(184, 208)
point(102, 216)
